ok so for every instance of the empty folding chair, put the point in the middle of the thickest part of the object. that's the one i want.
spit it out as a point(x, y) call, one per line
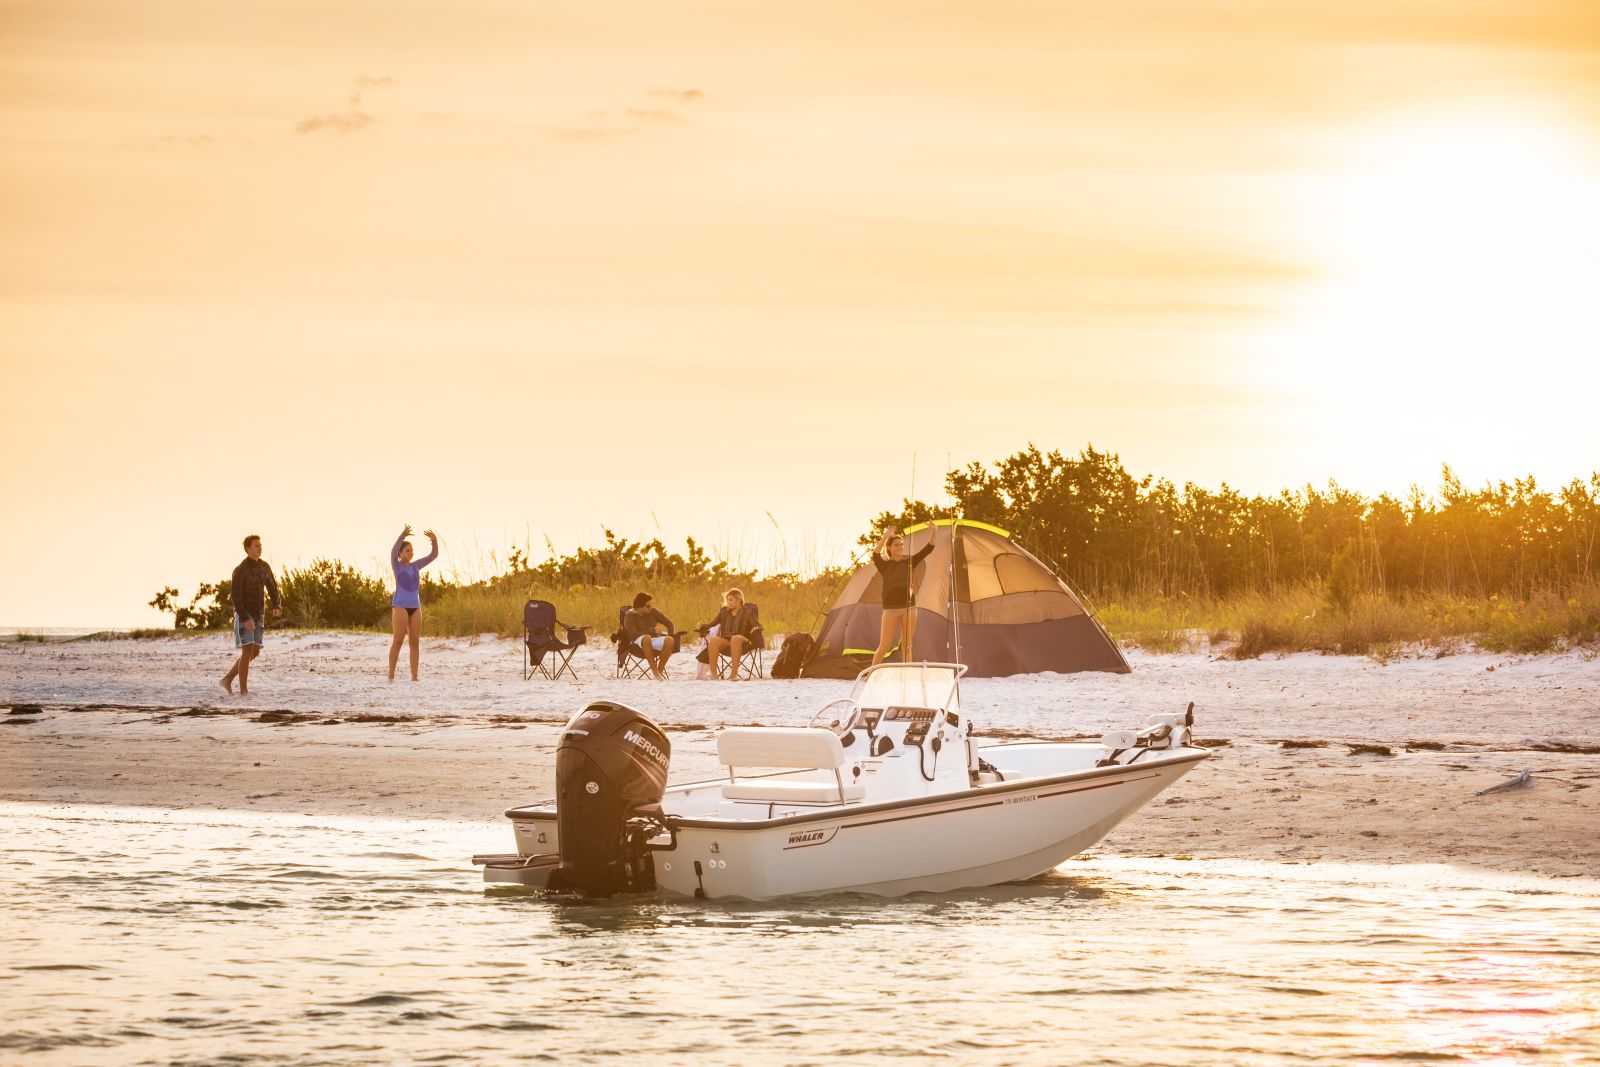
point(539, 641)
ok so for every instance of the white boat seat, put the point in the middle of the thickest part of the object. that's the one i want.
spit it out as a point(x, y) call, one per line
point(779, 746)
point(809, 747)
point(796, 792)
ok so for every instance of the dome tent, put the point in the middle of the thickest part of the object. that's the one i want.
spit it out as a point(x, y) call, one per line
point(1011, 613)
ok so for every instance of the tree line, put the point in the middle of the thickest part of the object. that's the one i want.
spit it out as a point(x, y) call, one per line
point(1118, 535)
point(1113, 534)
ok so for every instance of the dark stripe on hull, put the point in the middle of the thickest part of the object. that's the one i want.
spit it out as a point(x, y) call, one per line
point(988, 796)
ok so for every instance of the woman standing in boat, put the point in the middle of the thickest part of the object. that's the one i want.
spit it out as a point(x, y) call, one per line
point(405, 612)
point(899, 614)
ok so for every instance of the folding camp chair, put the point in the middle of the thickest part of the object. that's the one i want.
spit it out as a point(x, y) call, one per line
point(750, 664)
point(539, 640)
point(630, 661)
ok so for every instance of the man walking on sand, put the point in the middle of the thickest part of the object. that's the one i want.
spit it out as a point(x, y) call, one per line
point(250, 579)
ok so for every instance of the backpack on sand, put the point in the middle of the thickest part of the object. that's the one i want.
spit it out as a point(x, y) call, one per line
point(793, 655)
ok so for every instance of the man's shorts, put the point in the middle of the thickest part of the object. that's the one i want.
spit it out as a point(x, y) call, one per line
point(657, 643)
point(240, 638)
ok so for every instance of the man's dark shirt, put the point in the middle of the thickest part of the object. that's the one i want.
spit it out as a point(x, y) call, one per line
point(636, 623)
point(249, 579)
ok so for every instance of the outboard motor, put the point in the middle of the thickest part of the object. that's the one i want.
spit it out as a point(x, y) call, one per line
point(611, 771)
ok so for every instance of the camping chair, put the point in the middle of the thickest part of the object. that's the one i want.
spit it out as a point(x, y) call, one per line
point(539, 640)
point(750, 665)
point(630, 661)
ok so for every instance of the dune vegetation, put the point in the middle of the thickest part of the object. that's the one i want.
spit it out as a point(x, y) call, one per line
point(1508, 567)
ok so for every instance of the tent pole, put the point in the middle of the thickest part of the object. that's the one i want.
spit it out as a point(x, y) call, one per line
point(955, 621)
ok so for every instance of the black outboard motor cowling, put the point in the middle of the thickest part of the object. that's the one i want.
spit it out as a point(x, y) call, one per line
point(611, 766)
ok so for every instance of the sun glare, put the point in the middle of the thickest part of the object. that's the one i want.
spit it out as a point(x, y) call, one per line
point(1454, 306)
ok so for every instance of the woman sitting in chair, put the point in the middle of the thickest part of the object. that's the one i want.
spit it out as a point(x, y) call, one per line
point(736, 625)
point(649, 631)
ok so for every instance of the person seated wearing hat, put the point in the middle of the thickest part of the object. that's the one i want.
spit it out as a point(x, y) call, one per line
point(651, 632)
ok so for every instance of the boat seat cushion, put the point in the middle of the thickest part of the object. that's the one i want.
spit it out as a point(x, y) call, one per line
point(796, 792)
point(780, 746)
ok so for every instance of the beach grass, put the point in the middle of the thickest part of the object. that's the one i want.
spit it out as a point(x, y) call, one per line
point(139, 634)
point(1301, 619)
point(1307, 619)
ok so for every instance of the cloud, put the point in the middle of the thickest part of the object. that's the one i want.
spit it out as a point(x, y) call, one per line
point(346, 122)
point(351, 119)
point(650, 115)
point(638, 117)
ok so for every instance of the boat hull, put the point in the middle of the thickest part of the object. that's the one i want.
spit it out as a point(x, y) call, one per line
point(982, 836)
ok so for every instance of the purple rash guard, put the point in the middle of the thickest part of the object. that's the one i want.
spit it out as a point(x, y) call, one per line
point(407, 576)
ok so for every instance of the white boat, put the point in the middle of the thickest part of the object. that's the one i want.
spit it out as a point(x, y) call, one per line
point(887, 792)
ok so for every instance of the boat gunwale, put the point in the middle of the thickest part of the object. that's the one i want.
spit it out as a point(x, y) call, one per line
point(837, 812)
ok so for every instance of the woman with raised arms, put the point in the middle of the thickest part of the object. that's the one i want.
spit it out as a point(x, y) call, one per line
point(899, 605)
point(405, 612)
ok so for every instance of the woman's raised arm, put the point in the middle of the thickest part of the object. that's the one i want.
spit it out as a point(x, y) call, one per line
point(433, 554)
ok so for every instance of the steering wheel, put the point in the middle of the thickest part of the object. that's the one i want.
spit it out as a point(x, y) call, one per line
point(838, 708)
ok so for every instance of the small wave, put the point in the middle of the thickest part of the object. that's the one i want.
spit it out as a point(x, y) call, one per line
point(191, 1022)
point(57, 967)
point(1122, 991)
point(23, 1041)
point(302, 873)
point(377, 1000)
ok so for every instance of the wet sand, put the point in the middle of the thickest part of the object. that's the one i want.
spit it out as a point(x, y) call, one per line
point(1317, 757)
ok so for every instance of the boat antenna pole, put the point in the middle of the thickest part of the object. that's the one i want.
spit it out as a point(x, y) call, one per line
point(911, 597)
point(911, 584)
point(955, 620)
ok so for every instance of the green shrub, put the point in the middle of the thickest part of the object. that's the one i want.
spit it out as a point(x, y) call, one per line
point(1344, 578)
point(211, 607)
point(331, 593)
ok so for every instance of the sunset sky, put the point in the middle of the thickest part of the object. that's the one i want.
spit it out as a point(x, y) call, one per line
point(518, 270)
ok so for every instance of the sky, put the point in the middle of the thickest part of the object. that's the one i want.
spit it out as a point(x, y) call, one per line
point(753, 273)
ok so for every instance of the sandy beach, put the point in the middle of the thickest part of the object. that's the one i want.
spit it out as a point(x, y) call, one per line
point(1317, 757)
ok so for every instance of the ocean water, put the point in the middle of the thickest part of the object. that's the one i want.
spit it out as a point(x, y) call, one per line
point(135, 936)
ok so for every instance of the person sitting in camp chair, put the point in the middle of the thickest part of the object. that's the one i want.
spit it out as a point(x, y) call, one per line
point(649, 631)
point(735, 631)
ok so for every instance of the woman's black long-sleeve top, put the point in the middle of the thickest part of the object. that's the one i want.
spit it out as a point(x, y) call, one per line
point(896, 574)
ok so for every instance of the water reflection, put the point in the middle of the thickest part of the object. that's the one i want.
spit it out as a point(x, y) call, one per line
point(341, 941)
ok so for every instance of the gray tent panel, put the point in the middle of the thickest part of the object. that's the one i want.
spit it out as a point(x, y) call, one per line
point(1014, 615)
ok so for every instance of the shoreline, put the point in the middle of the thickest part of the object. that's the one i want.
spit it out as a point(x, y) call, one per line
point(1315, 758)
